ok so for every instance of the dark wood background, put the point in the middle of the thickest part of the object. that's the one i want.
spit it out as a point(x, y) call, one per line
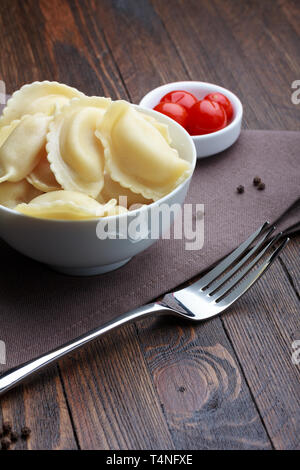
point(162, 384)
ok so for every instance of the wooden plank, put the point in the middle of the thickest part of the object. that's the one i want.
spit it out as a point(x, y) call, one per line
point(111, 396)
point(271, 50)
point(42, 406)
point(145, 55)
point(290, 259)
point(201, 387)
point(262, 327)
point(55, 41)
point(242, 46)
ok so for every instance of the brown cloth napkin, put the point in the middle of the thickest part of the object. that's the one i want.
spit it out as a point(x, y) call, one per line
point(41, 309)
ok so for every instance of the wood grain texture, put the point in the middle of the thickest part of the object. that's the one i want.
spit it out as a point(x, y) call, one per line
point(250, 47)
point(41, 405)
point(147, 58)
point(112, 398)
point(55, 41)
point(290, 261)
point(262, 327)
point(200, 385)
point(229, 383)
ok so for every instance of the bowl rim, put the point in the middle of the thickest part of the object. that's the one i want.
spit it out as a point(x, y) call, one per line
point(135, 211)
point(238, 107)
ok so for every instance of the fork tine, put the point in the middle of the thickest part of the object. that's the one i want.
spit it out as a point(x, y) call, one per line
point(220, 292)
point(221, 267)
point(219, 282)
point(251, 278)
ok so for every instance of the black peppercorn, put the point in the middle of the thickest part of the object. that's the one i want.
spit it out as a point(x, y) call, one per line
point(25, 432)
point(5, 443)
point(240, 189)
point(7, 427)
point(261, 186)
point(14, 436)
point(256, 180)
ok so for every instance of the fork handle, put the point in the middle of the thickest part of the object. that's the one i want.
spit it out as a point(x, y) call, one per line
point(16, 375)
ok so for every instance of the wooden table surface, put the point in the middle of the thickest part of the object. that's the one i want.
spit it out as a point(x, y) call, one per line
point(164, 384)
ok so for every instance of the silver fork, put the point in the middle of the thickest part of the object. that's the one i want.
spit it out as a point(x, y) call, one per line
point(203, 299)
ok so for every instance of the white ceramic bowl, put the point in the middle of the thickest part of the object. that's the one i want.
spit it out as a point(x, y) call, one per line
point(208, 144)
point(73, 247)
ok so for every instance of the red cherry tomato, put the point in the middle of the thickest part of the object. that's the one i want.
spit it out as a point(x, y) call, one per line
point(224, 101)
point(206, 117)
point(174, 111)
point(184, 98)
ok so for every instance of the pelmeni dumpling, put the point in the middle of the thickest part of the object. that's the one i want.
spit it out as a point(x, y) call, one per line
point(137, 155)
point(75, 154)
point(21, 150)
point(162, 128)
point(42, 176)
point(12, 194)
point(6, 130)
point(38, 97)
point(126, 198)
point(67, 205)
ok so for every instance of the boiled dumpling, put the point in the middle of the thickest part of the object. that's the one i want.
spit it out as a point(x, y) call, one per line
point(75, 154)
point(162, 128)
point(113, 190)
point(42, 176)
point(6, 130)
point(12, 194)
point(67, 205)
point(21, 150)
point(84, 153)
point(137, 155)
point(38, 97)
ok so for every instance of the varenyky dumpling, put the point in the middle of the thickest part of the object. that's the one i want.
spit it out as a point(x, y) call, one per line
point(113, 190)
point(84, 153)
point(162, 128)
point(21, 150)
point(125, 197)
point(6, 130)
point(12, 194)
point(67, 205)
point(75, 154)
point(42, 176)
point(137, 155)
point(38, 97)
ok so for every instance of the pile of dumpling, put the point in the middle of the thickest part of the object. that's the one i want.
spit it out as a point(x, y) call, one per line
point(65, 155)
